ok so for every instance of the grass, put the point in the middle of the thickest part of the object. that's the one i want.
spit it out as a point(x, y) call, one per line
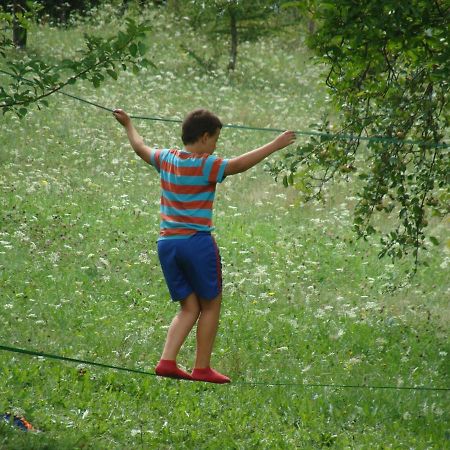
point(303, 301)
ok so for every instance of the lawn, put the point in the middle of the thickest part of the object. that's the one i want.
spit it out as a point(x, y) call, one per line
point(304, 302)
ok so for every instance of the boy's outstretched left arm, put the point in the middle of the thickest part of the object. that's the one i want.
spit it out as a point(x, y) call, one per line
point(135, 139)
point(247, 160)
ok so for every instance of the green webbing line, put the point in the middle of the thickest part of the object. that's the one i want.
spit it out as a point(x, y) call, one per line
point(75, 360)
point(329, 136)
point(247, 383)
point(111, 110)
point(84, 101)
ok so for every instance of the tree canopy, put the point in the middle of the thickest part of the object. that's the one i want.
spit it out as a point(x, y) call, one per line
point(388, 71)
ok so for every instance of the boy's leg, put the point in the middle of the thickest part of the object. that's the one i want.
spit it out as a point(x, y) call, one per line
point(179, 329)
point(206, 333)
point(181, 325)
point(207, 325)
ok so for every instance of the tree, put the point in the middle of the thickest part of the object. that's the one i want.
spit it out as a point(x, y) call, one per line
point(33, 79)
point(239, 19)
point(388, 72)
point(21, 12)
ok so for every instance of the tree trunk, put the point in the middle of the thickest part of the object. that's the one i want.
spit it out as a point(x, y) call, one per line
point(19, 32)
point(311, 26)
point(234, 39)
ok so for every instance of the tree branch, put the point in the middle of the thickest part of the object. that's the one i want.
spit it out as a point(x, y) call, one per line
point(68, 81)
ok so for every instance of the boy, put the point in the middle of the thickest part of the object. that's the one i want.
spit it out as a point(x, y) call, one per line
point(188, 253)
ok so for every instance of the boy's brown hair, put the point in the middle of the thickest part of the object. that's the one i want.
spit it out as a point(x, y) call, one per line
point(197, 123)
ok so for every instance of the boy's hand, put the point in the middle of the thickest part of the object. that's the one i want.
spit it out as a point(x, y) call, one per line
point(249, 159)
point(136, 141)
point(122, 117)
point(284, 139)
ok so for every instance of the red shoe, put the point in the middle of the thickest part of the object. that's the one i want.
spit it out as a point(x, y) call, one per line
point(168, 368)
point(209, 375)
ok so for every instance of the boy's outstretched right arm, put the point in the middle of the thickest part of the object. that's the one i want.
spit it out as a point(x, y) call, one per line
point(135, 139)
point(247, 160)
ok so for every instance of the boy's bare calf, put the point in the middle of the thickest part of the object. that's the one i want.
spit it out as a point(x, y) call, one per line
point(206, 313)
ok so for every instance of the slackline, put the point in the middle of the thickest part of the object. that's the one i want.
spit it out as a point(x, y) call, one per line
point(326, 136)
point(329, 136)
point(242, 383)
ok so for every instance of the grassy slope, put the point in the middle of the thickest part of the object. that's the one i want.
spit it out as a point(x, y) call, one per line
point(303, 301)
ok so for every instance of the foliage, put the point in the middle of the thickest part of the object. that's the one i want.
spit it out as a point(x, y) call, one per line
point(57, 10)
point(33, 79)
point(25, 16)
point(388, 68)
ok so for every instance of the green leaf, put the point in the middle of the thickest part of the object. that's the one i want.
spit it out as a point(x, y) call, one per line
point(147, 63)
point(434, 240)
point(112, 74)
point(370, 229)
point(22, 112)
point(122, 38)
point(142, 48)
point(133, 49)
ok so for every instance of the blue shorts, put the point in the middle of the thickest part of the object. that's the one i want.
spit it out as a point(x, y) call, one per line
point(191, 265)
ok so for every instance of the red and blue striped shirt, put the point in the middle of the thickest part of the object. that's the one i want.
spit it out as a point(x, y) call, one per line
point(188, 187)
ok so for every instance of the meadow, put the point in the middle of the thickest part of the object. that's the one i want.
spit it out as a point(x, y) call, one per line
point(304, 301)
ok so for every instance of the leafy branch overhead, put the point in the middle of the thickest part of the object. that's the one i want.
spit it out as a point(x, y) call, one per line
point(34, 79)
point(388, 72)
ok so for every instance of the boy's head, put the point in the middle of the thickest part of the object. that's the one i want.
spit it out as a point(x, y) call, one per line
point(201, 127)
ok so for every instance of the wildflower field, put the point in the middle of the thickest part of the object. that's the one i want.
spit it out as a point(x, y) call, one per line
point(304, 302)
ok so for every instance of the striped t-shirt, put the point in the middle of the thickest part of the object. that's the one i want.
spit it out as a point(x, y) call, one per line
point(188, 187)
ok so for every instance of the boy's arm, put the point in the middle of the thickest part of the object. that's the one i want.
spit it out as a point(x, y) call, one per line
point(250, 159)
point(135, 139)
